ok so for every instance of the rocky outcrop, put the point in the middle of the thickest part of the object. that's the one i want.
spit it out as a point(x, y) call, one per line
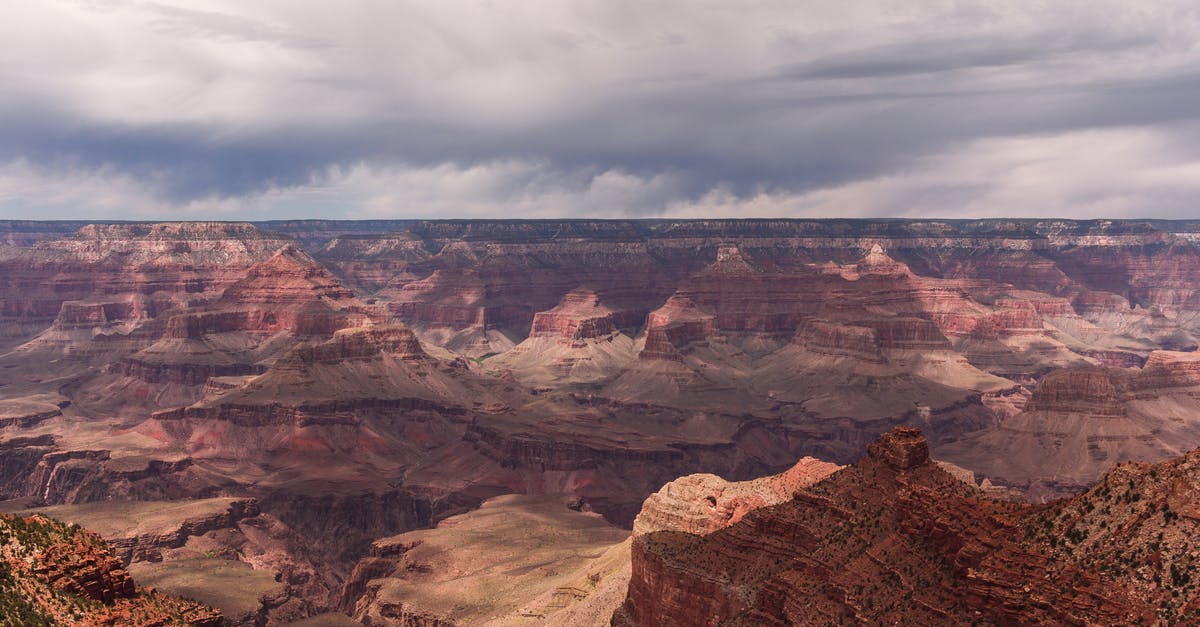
point(84, 568)
point(1105, 391)
point(908, 333)
point(289, 276)
point(278, 302)
point(64, 573)
point(581, 316)
point(892, 539)
point(878, 262)
point(182, 374)
point(362, 343)
point(1091, 391)
point(828, 338)
point(669, 340)
point(290, 292)
point(704, 503)
point(904, 448)
point(1168, 369)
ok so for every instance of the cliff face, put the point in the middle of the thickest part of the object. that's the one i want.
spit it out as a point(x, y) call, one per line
point(152, 266)
point(280, 301)
point(893, 538)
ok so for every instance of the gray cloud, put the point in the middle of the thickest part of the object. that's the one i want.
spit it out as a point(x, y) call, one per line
point(597, 107)
point(944, 54)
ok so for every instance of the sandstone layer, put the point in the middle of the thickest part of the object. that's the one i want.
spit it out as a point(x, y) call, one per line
point(702, 503)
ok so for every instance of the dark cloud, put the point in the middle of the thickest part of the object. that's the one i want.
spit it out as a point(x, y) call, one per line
point(937, 55)
point(586, 108)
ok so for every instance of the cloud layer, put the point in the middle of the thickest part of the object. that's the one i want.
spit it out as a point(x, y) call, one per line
point(599, 108)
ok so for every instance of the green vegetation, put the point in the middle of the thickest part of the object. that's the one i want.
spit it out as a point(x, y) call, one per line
point(15, 609)
point(479, 359)
point(29, 598)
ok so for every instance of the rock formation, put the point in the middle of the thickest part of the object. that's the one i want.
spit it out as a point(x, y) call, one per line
point(703, 503)
point(894, 539)
point(1079, 421)
point(51, 572)
point(157, 266)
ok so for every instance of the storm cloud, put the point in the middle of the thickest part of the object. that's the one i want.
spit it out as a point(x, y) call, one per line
point(599, 108)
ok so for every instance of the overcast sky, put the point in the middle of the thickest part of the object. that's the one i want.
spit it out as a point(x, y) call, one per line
point(598, 108)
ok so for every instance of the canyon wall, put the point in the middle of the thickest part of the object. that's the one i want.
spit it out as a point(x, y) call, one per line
point(405, 371)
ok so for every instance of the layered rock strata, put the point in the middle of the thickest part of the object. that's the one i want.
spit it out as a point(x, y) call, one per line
point(703, 503)
point(894, 538)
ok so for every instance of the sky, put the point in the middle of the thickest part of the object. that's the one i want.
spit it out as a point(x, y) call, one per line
point(188, 109)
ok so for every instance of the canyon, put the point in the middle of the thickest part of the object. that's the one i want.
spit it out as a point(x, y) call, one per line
point(287, 405)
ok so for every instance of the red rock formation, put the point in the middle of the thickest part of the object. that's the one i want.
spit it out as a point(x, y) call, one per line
point(893, 539)
point(903, 449)
point(1168, 369)
point(174, 264)
point(289, 294)
point(829, 338)
point(703, 503)
point(44, 558)
point(580, 316)
point(1016, 317)
point(879, 263)
point(907, 333)
point(84, 568)
point(1079, 421)
point(1092, 391)
point(359, 344)
point(289, 277)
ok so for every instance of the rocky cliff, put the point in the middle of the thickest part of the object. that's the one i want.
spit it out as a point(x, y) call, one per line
point(161, 265)
point(894, 538)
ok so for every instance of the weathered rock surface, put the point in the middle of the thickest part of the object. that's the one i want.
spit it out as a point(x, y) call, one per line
point(152, 267)
point(903, 448)
point(702, 503)
point(895, 539)
point(58, 573)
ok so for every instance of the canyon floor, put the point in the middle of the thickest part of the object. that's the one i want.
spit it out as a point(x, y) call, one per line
point(307, 420)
